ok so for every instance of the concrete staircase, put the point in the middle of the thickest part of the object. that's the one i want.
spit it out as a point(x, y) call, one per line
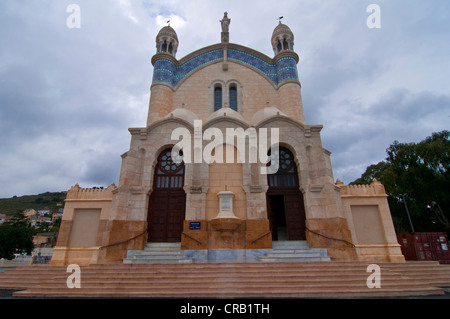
point(157, 253)
point(294, 251)
point(230, 280)
point(283, 251)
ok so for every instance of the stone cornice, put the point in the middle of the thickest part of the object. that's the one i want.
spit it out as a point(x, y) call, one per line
point(284, 54)
point(306, 128)
point(165, 56)
point(221, 119)
point(172, 119)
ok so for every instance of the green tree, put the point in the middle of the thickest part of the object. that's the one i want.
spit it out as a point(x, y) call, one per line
point(56, 225)
point(416, 175)
point(377, 171)
point(16, 237)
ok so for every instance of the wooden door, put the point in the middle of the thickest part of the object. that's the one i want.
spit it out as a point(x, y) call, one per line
point(276, 214)
point(167, 204)
point(295, 216)
point(284, 184)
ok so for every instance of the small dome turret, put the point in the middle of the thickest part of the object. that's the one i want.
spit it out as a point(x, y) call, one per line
point(167, 41)
point(282, 39)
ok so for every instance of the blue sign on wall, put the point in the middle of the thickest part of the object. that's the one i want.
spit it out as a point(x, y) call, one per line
point(194, 225)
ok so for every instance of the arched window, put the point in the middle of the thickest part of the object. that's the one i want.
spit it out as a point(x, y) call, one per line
point(233, 98)
point(286, 176)
point(217, 98)
point(286, 44)
point(168, 174)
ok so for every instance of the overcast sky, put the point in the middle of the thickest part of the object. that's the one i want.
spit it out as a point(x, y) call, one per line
point(69, 95)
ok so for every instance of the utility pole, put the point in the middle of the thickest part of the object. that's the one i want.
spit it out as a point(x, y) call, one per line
point(407, 211)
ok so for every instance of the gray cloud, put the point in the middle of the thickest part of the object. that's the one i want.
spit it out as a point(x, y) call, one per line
point(67, 96)
point(366, 132)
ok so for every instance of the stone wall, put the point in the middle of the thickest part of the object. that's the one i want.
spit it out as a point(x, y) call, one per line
point(367, 212)
point(79, 240)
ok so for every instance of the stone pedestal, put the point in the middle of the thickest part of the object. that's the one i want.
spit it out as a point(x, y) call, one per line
point(226, 230)
point(225, 223)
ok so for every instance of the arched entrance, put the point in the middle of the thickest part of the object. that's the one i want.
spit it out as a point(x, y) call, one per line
point(167, 204)
point(285, 206)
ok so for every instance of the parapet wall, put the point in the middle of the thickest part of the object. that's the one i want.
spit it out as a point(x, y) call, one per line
point(84, 221)
point(78, 193)
point(374, 189)
point(369, 219)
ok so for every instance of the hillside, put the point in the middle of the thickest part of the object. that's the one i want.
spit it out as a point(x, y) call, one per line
point(46, 200)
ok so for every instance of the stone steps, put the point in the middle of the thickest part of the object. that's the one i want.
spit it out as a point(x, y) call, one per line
point(188, 277)
point(298, 251)
point(229, 280)
point(231, 293)
point(162, 247)
point(157, 253)
point(420, 267)
point(283, 251)
point(278, 244)
point(335, 266)
point(156, 278)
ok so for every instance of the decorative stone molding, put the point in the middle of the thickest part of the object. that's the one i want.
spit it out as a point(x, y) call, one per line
point(256, 189)
point(141, 132)
point(196, 190)
point(138, 190)
point(315, 188)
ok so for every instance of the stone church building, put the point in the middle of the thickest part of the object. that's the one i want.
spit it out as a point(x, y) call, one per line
point(227, 207)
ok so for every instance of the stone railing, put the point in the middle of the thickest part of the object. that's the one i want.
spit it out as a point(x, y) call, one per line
point(374, 189)
point(78, 193)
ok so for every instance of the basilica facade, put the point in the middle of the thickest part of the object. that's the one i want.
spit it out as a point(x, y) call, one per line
point(236, 113)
